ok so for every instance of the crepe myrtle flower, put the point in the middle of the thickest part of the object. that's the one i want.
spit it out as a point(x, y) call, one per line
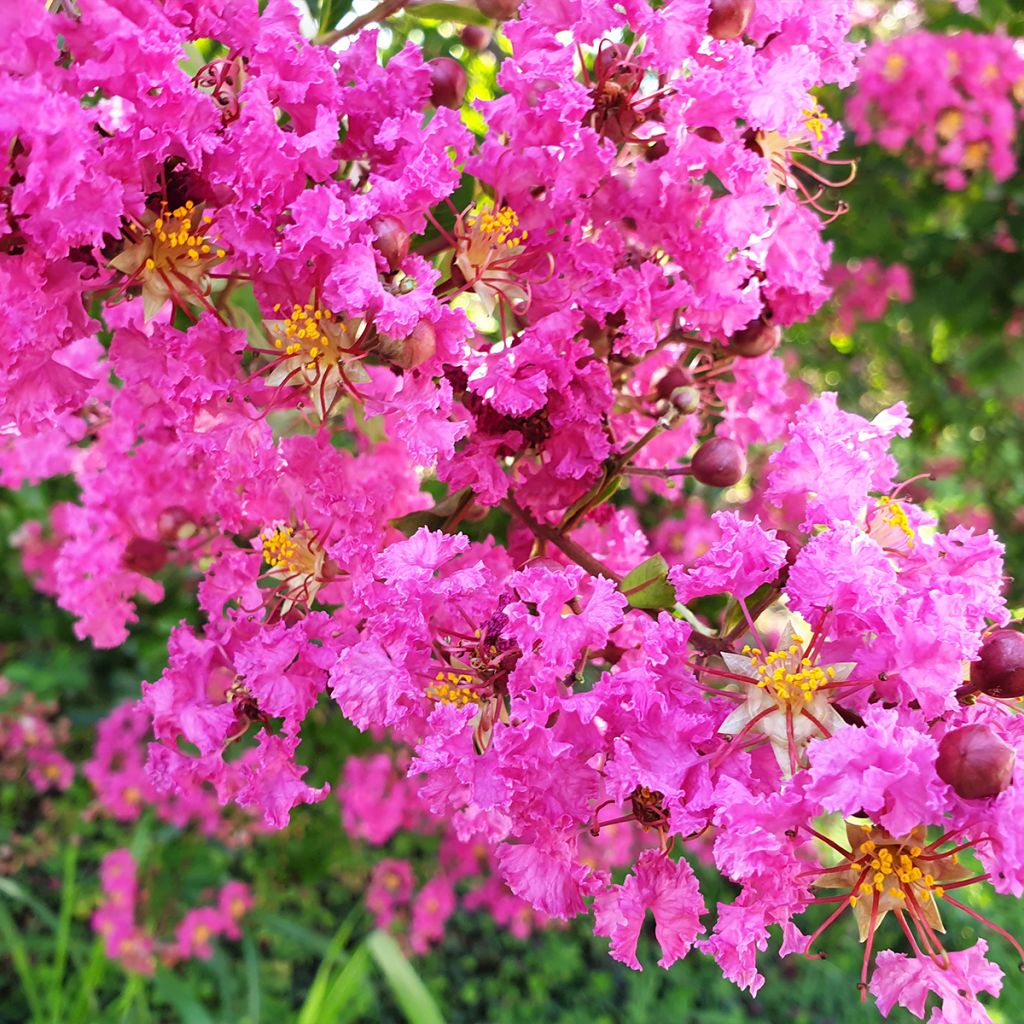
point(474, 669)
point(314, 350)
point(907, 876)
point(615, 79)
point(787, 697)
point(298, 566)
point(796, 164)
point(493, 257)
point(168, 255)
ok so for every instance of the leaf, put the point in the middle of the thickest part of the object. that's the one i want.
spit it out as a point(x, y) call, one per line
point(434, 517)
point(331, 12)
point(647, 586)
point(406, 985)
point(449, 12)
point(715, 183)
point(188, 1009)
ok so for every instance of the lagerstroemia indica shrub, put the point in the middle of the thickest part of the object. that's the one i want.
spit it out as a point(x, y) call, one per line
point(416, 397)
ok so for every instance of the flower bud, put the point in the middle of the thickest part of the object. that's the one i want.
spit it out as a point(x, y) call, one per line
point(447, 83)
point(729, 18)
point(677, 377)
point(411, 351)
point(999, 670)
point(794, 545)
point(975, 761)
point(685, 400)
point(171, 522)
point(391, 239)
point(475, 37)
point(758, 338)
point(144, 556)
point(500, 10)
point(719, 462)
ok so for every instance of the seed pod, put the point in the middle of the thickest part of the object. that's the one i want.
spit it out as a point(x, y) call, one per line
point(447, 83)
point(975, 761)
point(685, 400)
point(999, 670)
point(729, 18)
point(391, 239)
point(719, 462)
point(709, 133)
point(758, 338)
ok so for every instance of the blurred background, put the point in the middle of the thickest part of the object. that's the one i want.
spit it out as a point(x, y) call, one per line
point(928, 308)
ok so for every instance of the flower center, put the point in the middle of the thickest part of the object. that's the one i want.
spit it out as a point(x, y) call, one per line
point(787, 682)
point(304, 333)
point(179, 239)
point(886, 872)
point(453, 688)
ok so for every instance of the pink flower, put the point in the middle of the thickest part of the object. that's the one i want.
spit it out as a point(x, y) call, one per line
point(666, 887)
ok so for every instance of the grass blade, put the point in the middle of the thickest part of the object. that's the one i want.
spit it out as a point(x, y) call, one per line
point(406, 986)
point(22, 964)
point(63, 938)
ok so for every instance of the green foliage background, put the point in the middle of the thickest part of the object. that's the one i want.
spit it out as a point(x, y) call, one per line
point(309, 954)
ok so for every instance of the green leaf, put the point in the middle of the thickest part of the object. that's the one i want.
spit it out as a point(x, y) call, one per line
point(449, 12)
point(406, 985)
point(331, 12)
point(188, 1009)
point(647, 586)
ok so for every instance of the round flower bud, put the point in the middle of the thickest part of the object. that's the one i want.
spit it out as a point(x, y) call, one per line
point(719, 462)
point(500, 10)
point(999, 670)
point(144, 556)
point(171, 522)
point(677, 377)
point(975, 761)
point(447, 83)
point(411, 351)
point(475, 37)
point(685, 400)
point(729, 18)
point(391, 239)
point(758, 338)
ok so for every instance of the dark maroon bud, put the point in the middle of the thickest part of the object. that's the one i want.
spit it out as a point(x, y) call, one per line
point(975, 761)
point(391, 239)
point(729, 18)
point(171, 522)
point(709, 134)
point(475, 37)
point(719, 462)
point(144, 556)
point(793, 548)
point(501, 10)
point(758, 338)
point(447, 83)
point(677, 377)
point(999, 670)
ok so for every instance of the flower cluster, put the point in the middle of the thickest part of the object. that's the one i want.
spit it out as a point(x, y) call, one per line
point(954, 99)
point(402, 401)
point(863, 289)
point(30, 741)
point(132, 945)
